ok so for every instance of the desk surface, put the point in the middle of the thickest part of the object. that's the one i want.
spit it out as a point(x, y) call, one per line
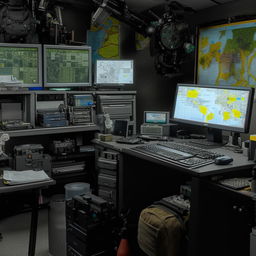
point(33, 185)
point(240, 161)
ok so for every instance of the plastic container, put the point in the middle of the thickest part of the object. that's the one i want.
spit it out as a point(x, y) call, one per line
point(57, 226)
point(76, 189)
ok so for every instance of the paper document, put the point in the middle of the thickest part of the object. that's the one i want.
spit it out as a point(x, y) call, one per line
point(21, 177)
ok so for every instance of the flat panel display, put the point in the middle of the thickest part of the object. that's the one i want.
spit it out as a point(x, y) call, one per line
point(114, 72)
point(67, 66)
point(226, 54)
point(21, 63)
point(227, 108)
point(156, 117)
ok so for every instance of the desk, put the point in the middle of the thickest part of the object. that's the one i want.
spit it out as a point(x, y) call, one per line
point(34, 187)
point(144, 179)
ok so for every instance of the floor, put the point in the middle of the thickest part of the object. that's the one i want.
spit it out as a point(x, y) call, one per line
point(15, 231)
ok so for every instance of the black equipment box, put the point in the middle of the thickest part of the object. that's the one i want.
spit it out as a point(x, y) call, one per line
point(90, 222)
point(31, 156)
point(64, 167)
point(62, 148)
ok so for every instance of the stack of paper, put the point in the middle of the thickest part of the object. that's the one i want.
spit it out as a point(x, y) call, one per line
point(21, 177)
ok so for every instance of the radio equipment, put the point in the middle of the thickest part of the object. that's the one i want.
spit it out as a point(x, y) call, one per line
point(62, 148)
point(156, 123)
point(90, 223)
point(158, 130)
point(49, 118)
point(12, 125)
point(80, 115)
point(31, 157)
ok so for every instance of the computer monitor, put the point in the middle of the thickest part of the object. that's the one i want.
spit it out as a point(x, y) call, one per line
point(114, 72)
point(226, 54)
point(156, 117)
point(21, 63)
point(217, 107)
point(67, 66)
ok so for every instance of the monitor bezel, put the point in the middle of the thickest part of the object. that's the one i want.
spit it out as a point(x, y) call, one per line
point(246, 127)
point(67, 47)
point(113, 84)
point(39, 66)
point(167, 114)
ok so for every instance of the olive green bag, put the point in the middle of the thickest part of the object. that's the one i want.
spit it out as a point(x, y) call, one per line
point(160, 231)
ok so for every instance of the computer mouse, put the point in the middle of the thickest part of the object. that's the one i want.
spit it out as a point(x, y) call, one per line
point(223, 160)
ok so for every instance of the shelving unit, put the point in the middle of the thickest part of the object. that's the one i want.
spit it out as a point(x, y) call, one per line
point(53, 130)
point(82, 134)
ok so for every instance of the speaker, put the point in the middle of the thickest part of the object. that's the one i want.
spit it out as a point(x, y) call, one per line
point(121, 128)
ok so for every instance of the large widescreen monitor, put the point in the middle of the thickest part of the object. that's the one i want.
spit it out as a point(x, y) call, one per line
point(221, 107)
point(226, 54)
point(114, 72)
point(67, 66)
point(21, 63)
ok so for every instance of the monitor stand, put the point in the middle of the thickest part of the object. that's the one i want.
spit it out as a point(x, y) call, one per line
point(213, 139)
point(214, 135)
point(235, 138)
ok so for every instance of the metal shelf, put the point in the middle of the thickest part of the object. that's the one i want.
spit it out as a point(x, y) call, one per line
point(53, 130)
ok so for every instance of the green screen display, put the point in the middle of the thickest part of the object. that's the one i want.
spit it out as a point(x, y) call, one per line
point(67, 66)
point(21, 63)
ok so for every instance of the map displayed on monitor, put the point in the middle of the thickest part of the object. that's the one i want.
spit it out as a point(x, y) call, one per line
point(223, 107)
point(22, 63)
point(114, 72)
point(67, 66)
point(227, 54)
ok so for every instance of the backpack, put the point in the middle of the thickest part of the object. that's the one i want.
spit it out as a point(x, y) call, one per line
point(161, 231)
point(17, 25)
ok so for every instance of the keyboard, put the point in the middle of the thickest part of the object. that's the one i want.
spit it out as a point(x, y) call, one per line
point(235, 183)
point(179, 153)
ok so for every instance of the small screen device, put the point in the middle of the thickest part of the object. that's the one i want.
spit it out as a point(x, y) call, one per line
point(155, 123)
point(156, 117)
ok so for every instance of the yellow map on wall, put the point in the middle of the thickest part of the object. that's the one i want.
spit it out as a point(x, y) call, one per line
point(104, 40)
point(227, 54)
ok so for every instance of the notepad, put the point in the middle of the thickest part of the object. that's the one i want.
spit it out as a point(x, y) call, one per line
point(22, 177)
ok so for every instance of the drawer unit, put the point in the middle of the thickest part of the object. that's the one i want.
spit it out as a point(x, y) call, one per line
point(107, 167)
point(107, 180)
point(108, 194)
